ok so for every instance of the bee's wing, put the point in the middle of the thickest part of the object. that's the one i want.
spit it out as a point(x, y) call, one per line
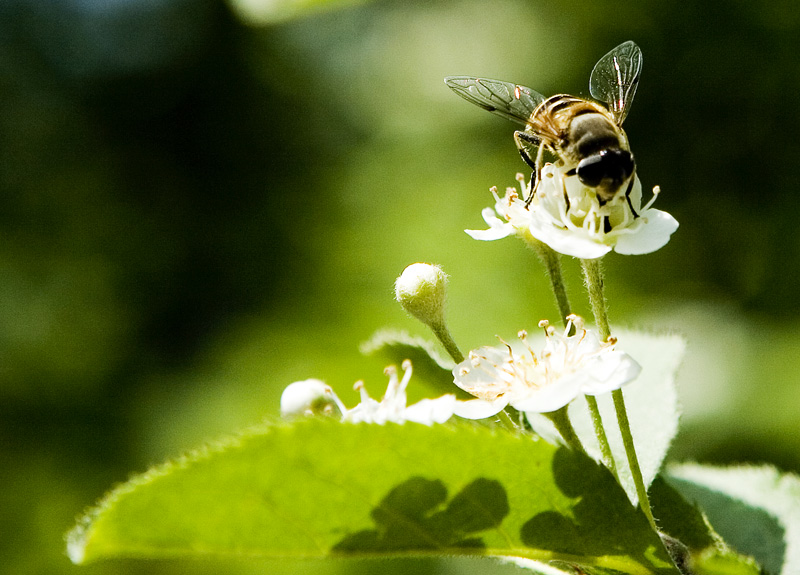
point(513, 102)
point(615, 77)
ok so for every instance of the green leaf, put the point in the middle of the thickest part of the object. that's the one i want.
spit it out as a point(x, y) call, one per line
point(651, 402)
point(690, 538)
point(430, 367)
point(756, 509)
point(322, 488)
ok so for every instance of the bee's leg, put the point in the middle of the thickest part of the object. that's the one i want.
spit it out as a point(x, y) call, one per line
point(521, 139)
point(538, 171)
point(566, 195)
point(628, 196)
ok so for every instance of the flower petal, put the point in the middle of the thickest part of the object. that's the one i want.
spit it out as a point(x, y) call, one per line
point(551, 397)
point(611, 371)
point(652, 234)
point(498, 229)
point(479, 408)
point(430, 411)
point(567, 242)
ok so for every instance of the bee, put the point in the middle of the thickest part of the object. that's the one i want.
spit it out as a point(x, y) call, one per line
point(586, 136)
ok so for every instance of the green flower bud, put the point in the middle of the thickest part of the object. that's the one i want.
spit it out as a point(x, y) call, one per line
point(421, 290)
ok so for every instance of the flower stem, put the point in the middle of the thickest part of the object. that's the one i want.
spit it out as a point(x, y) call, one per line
point(443, 335)
point(561, 420)
point(600, 433)
point(633, 461)
point(552, 262)
point(593, 275)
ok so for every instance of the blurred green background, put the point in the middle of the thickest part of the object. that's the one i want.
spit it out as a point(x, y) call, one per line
point(201, 202)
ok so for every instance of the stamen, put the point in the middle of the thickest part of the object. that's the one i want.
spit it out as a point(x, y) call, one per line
point(656, 191)
point(523, 335)
point(520, 177)
point(391, 389)
point(406, 376)
point(590, 220)
point(359, 387)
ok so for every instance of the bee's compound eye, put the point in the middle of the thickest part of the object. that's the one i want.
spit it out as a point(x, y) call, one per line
point(614, 165)
point(591, 171)
point(622, 162)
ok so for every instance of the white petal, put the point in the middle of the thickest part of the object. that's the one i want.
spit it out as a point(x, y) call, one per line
point(567, 242)
point(480, 409)
point(430, 411)
point(551, 397)
point(611, 371)
point(498, 229)
point(490, 234)
point(650, 236)
point(368, 411)
point(485, 379)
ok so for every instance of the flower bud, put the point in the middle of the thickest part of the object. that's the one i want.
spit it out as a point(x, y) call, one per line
point(421, 290)
point(309, 397)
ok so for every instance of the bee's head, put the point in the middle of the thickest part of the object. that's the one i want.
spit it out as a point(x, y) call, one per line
point(610, 167)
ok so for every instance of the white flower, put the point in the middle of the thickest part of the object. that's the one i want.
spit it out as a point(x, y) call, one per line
point(516, 218)
point(567, 367)
point(314, 397)
point(393, 405)
point(568, 217)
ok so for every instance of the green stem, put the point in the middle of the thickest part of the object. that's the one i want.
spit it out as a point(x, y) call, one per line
point(600, 432)
point(593, 275)
point(564, 427)
point(552, 262)
point(443, 335)
point(633, 461)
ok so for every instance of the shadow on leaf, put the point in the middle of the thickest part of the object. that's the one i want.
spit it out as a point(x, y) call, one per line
point(602, 521)
point(411, 517)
